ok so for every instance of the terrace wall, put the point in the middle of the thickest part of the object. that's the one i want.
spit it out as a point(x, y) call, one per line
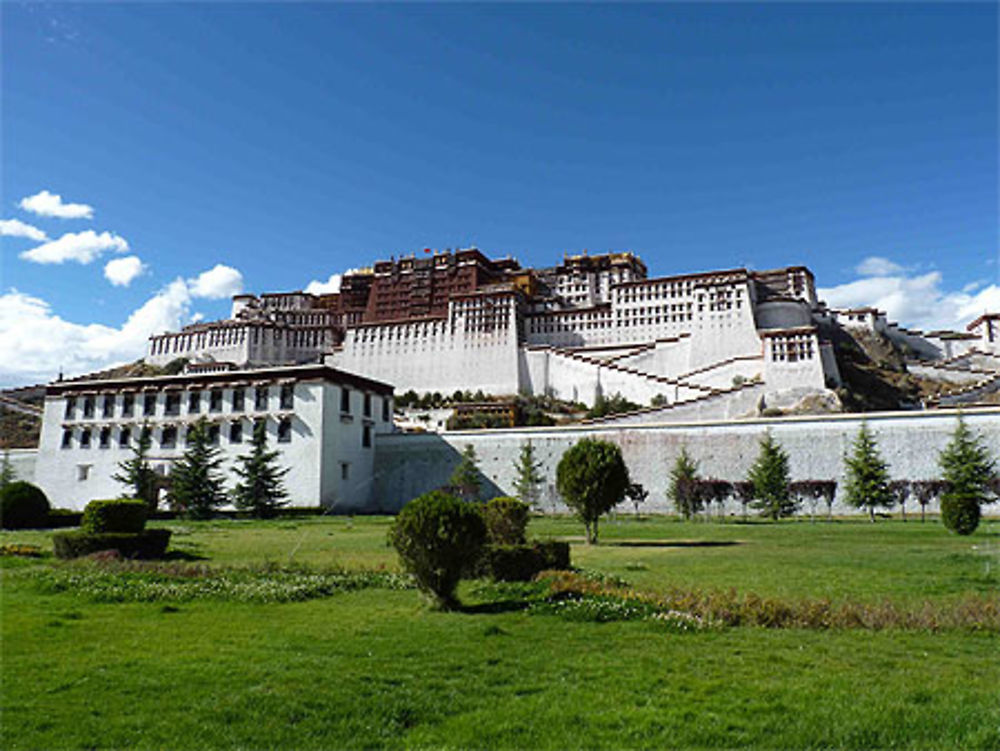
point(409, 464)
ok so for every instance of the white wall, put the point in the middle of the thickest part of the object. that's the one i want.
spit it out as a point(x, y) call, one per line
point(910, 442)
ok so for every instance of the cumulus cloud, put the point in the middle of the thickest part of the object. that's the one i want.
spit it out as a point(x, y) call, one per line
point(82, 247)
point(217, 283)
point(17, 228)
point(322, 288)
point(44, 203)
point(37, 343)
point(121, 271)
point(878, 266)
point(316, 287)
point(917, 301)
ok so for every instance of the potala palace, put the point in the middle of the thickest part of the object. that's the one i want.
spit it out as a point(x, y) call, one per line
point(715, 343)
point(712, 351)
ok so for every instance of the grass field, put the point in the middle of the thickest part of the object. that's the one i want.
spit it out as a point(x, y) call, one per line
point(375, 668)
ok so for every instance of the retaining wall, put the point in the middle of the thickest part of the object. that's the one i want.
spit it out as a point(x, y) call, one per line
point(407, 464)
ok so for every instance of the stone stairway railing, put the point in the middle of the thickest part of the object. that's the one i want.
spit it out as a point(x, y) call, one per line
point(665, 380)
point(716, 396)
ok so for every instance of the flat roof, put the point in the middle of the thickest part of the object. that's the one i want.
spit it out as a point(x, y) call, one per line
point(310, 372)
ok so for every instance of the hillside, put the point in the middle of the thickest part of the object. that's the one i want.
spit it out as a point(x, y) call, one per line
point(875, 375)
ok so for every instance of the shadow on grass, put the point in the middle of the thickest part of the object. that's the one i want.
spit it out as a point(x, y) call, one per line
point(669, 543)
point(495, 608)
point(182, 555)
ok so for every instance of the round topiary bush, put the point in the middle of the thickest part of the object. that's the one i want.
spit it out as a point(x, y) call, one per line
point(437, 536)
point(960, 513)
point(23, 506)
point(506, 520)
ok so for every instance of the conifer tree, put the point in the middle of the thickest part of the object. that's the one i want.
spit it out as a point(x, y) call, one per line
point(528, 479)
point(196, 486)
point(135, 472)
point(867, 477)
point(261, 489)
point(769, 477)
point(969, 474)
point(966, 465)
point(685, 486)
point(465, 479)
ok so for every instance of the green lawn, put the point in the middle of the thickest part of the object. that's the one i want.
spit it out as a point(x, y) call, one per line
point(374, 668)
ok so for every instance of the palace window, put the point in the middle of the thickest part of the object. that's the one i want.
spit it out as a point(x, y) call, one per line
point(345, 400)
point(172, 404)
point(168, 438)
point(70, 407)
point(82, 472)
point(67, 439)
point(105, 438)
point(88, 407)
point(213, 435)
point(366, 436)
point(285, 431)
point(109, 406)
point(128, 404)
point(385, 409)
point(238, 400)
point(236, 432)
point(85, 438)
point(149, 405)
point(287, 396)
point(260, 398)
point(124, 437)
point(367, 405)
point(215, 400)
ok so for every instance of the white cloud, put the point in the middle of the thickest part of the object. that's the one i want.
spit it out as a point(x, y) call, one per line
point(44, 203)
point(217, 283)
point(121, 271)
point(331, 285)
point(878, 266)
point(17, 228)
point(322, 288)
point(82, 247)
point(37, 344)
point(918, 301)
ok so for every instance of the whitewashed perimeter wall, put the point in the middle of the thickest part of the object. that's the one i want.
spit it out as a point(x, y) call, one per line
point(410, 464)
point(22, 461)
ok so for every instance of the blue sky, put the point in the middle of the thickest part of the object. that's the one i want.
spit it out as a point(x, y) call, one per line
point(288, 142)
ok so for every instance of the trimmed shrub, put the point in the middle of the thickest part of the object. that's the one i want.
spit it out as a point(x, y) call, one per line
point(960, 513)
point(438, 536)
point(23, 506)
point(61, 518)
point(524, 562)
point(115, 515)
point(150, 543)
point(506, 520)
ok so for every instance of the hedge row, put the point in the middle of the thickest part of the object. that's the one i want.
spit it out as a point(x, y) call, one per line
point(150, 543)
point(523, 562)
point(115, 515)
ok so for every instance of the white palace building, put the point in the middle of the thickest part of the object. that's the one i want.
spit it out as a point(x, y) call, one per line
point(320, 369)
point(594, 325)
